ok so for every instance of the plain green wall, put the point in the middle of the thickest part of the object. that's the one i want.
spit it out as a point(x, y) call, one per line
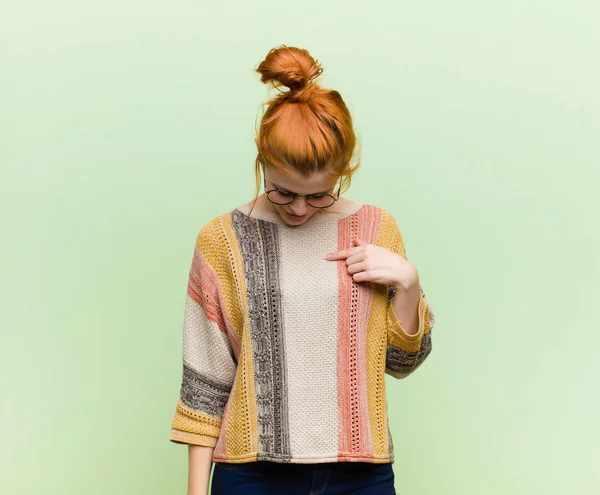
point(127, 125)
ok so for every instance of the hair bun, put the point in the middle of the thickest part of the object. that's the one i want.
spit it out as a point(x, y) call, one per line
point(292, 67)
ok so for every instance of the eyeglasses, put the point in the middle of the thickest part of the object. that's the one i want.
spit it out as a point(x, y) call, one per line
point(318, 200)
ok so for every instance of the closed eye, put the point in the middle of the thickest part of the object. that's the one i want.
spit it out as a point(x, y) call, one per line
point(285, 193)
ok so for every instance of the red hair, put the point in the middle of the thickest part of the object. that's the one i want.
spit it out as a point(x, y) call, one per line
point(307, 129)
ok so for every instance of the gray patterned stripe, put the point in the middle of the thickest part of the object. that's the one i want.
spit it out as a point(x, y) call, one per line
point(202, 393)
point(260, 252)
point(400, 361)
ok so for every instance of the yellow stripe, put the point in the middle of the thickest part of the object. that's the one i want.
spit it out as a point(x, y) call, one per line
point(376, 350)
point(242, 428)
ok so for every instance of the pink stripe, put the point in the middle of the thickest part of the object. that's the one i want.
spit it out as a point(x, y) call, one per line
point(355, 298)
point(220, 449)
point(204, 288)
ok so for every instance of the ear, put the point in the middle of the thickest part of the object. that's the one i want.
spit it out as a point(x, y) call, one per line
point(256, 140)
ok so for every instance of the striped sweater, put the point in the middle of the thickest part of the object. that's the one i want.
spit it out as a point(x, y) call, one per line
point(284, 355)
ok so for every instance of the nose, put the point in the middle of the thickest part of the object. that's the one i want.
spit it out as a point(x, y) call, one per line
point(299, 209)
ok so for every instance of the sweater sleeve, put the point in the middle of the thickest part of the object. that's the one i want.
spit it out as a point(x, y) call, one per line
point(209, 364)
point(406, 352)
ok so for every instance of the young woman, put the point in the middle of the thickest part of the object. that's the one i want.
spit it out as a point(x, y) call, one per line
point(286, 348)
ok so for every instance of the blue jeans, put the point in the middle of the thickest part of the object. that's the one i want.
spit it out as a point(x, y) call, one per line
point(330, 478)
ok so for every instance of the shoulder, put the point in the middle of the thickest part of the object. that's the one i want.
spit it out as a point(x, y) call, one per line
point(211, 233)
point(385, 217)
point(388, 232)
point(211, 245)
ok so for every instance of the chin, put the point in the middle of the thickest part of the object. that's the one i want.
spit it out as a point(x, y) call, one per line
point(292, 220)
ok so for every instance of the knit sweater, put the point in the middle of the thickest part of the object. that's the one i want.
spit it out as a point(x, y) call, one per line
point(284, 355)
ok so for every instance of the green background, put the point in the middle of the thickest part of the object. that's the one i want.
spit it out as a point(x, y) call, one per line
point(126, 125)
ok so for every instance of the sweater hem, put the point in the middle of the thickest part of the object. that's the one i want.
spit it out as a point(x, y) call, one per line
point(253, 457)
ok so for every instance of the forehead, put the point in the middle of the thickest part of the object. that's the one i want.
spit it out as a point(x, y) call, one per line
point(292, 181)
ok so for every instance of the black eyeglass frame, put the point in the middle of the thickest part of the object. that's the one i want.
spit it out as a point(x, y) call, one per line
point(335, 198)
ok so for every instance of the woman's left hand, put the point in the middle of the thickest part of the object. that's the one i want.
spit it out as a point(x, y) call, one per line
point(371, 263)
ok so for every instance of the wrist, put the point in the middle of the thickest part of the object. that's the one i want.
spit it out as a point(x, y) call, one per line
point(407, 283)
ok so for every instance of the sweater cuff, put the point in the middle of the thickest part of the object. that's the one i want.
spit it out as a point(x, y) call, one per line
point(179, 436)
point(398, 331)
point(194, 427)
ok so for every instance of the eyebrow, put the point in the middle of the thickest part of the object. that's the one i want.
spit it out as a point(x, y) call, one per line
point(284, 189)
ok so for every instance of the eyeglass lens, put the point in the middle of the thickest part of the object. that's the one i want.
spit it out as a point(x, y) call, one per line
point(317, 201)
